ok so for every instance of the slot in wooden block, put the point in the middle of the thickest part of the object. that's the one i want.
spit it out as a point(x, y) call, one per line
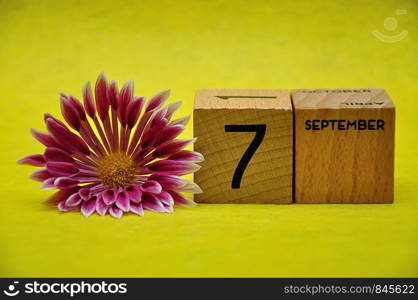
point(246, 137)
point(344, 146)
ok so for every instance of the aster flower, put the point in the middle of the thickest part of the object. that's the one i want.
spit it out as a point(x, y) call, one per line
point(119, 153)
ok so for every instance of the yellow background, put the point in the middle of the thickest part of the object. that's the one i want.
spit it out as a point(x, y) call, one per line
point(52, 46)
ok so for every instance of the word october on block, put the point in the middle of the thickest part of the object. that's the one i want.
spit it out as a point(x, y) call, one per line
point(344, 144)
point(246, 137)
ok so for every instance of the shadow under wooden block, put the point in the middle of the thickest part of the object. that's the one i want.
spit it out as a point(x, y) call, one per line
point(344, 146)
point(246, 137)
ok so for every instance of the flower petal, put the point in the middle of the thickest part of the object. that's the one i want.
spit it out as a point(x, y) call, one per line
point(137, 208)
point(56, 154)
point(115, 211)
point(102, 104)
point(187, 155)
point(65, 182)
point(177, 183)
point(172, 167)
point(88, 207)
point(134, 192)
point(85, 193)
point(48, 184)
point(66, 138)
point(134, 110)
point(172, 146)
point(151, 186)
point(158, 118)
point(101, 207)
point(88, 100)
point(181, 121)
point(190, 187)
point(36, 160)
point(49, 116)
point(59, 196)
point(73, 200)
point(44, 138)
point(113, 95)
point(77, 106)
point(181, 200)
point(165, 198)
point(168, 208)
point(69, 113)
point(157, 100)
point(125, 97)
point(151, 203)
point(171, 109)
point(149, 137)
point(63, 207)
point(40, 175)
point(122, 201)
point(168, 133)
point(109, 196)
point(168, 182)
point(64, 169)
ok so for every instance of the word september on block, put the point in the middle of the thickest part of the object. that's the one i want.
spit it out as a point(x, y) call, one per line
point(345, 124)
point(246, 137)
point(343, 146)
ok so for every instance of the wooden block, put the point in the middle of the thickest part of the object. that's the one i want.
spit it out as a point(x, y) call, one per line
point(344, 141)
point(246, 137)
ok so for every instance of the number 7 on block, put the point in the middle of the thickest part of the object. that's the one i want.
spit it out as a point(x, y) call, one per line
point(260, 131)
point(240, 166)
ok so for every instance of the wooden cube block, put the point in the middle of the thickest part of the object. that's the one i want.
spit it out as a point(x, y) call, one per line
point(246, 137)
point(344, 146)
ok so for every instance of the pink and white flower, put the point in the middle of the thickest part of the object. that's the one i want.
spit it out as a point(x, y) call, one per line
point(119, 153)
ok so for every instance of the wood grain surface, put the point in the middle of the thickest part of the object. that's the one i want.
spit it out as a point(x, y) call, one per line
point(344, 166)
point(268, 175)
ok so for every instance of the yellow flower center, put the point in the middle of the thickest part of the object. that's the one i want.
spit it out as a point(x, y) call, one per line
point(116, 170)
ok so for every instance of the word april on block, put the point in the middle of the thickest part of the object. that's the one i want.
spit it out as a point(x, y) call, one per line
point(344, 146)
point(246, 137)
